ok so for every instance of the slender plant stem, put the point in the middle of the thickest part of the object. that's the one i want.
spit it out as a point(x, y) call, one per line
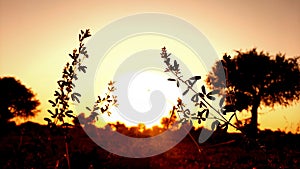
point(67, 155)
point(194, 141)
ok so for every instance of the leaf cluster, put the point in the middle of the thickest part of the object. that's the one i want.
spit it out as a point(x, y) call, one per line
point(64, 93)
point(65, 86)
point(65, 90)
point(199, 98)
point(102, 104)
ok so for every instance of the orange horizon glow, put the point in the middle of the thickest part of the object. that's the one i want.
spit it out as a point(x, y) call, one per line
point(36, 37)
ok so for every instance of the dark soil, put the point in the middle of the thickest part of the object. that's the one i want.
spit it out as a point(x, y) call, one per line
point(32, 147)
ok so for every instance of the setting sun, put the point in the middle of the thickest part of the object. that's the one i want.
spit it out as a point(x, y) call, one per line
point(139, 84)
point(140, 90)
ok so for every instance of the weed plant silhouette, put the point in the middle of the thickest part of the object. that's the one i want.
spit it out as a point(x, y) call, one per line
point(278, 83)
point(61, 113)
point(204, 108)
point(200, 99)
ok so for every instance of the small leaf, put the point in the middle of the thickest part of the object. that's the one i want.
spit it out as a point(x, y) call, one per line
point(56, 113)
point(200, 113)
point(75, 77)
point(185, 92)
point(176, 65)
point(224, 111)
point(201, 95)
point(213, 92)
point(170, 79)
point(74, 97)
point(207, 113)
point(82, 68)
point(56, 93)
point(48, 120)
point(203, 90)
point(211, 97)
point(53, 104)
point(71, 56)
point(71, 69)
point(221, 101)
point(195, 98)
point(50, 112)
point(70, 115)
point(199, 120)
point(69, 112)
point(214, 125)
point(104, 109)
point(195, 78)
point(167, 61)
point(186, 113)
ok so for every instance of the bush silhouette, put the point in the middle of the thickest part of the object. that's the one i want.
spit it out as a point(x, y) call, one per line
point(16, 100)
point(256, 78)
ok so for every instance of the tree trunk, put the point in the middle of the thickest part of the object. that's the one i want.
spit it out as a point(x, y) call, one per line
point(253, 125)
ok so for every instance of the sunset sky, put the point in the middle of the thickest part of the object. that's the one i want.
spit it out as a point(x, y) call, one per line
point(37, 36)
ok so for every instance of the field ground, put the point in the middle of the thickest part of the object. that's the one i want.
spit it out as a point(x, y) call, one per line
point(35, 150)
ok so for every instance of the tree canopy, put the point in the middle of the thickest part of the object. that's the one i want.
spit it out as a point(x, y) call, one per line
point(256, 78)
point(16, 100)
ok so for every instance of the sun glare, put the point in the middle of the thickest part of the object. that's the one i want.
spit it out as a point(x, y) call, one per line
point(140, 89)
point(145, 82)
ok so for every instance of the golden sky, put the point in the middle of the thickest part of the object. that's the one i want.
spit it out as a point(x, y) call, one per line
point(36, 36)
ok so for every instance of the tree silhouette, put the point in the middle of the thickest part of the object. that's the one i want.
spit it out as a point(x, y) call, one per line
point(253, 79)
point(16, 100)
